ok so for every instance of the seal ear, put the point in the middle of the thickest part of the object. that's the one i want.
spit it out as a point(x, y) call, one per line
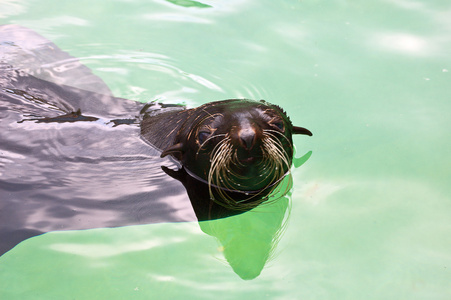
point(177, 148)
point(301, 130)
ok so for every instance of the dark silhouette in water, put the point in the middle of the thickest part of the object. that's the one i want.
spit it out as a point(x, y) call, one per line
point(72, 157)
point(66, 162)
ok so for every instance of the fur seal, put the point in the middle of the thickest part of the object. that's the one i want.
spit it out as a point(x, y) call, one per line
point(234, 146)
point(61, 168)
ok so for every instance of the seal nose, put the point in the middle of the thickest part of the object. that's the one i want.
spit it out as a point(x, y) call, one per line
point(247, 138)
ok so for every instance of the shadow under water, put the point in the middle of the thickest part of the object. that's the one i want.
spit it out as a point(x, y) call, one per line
point(72, 158)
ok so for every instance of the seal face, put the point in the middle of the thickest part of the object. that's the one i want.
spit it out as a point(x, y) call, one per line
point(235, 145)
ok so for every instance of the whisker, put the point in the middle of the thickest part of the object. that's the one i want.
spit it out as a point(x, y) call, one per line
point(278, 133)
point(225, 179)
point(207, 140)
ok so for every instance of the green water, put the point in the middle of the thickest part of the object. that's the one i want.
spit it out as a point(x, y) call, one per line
point(370, 210)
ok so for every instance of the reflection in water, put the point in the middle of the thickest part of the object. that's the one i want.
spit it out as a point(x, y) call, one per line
point(189, 3)
point(248, 239)
point(72, 158)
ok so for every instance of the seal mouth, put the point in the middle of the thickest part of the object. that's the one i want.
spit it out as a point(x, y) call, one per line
point(248, 160)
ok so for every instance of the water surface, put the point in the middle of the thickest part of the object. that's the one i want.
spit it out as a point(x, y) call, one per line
point(369, 210)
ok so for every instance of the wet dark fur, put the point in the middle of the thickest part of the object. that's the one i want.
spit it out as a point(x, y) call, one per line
point(230, 144)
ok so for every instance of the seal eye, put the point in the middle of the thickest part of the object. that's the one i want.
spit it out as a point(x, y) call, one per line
point(202, 136)
point(278, 125)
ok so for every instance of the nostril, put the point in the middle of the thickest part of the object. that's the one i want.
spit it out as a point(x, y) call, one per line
point(247, 138)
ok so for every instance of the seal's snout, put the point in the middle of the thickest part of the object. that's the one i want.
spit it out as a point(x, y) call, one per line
point(247, 137)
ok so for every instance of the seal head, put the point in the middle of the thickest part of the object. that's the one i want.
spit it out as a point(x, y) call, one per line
point(235, 145)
